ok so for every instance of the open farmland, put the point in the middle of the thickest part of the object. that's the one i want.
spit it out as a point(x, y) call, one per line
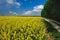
point(22, 28)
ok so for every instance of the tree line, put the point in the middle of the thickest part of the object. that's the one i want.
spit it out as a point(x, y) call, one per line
point(52, 10)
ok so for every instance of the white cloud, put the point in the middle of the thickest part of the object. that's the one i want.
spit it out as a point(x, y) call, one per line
point(36, 9)
point(13, 2)
point(17, 3)
point(10, 12)
point(27, 13)
point(40, 7)
point(10, 1)
point(13, 13)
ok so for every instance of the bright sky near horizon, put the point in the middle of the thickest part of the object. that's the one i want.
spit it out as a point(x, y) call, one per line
point(21, 7)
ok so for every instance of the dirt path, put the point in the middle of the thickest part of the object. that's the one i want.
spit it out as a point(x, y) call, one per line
point(54, 24)
point(49, 36)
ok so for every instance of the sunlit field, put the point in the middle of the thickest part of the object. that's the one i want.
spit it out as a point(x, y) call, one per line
point(22, 28)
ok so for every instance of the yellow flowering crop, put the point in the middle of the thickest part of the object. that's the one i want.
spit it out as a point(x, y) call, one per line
point(21, 28)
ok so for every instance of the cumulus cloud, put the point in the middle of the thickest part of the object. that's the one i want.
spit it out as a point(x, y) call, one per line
point(36, 10)
point(13, 13)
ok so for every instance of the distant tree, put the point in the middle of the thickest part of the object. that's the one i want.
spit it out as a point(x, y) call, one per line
point(52, 10)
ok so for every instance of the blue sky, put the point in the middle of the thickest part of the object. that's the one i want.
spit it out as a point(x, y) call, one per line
point(21, 7)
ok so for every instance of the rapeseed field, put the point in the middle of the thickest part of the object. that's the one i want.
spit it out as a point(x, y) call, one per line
point(22, 28)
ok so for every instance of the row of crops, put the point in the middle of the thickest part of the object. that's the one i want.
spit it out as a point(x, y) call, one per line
point(21, 28)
